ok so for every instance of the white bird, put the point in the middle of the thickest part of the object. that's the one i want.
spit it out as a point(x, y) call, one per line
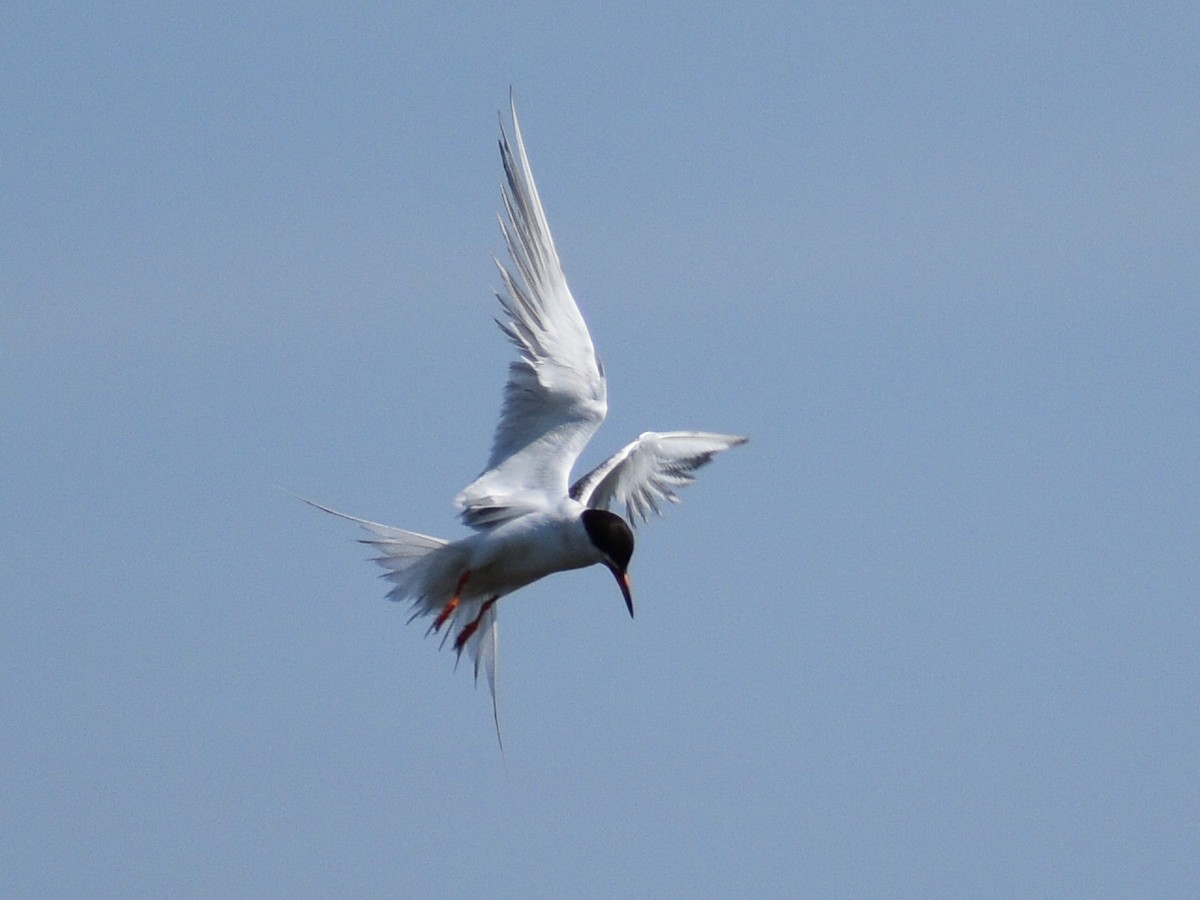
point(528, 521)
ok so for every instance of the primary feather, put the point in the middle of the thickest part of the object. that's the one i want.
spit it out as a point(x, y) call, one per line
point(555, 397)
point(649, 470)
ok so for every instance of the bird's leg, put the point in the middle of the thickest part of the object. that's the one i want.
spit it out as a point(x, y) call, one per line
point(449, 608)
point(469, 629)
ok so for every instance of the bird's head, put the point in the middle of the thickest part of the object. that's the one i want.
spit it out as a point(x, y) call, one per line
point(613, 537)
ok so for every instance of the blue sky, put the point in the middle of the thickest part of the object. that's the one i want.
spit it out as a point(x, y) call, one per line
point(931, 633)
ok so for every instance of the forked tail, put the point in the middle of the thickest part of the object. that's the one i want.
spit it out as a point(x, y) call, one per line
point(430, 574)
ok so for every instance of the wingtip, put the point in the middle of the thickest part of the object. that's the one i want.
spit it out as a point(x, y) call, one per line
point(512, 110)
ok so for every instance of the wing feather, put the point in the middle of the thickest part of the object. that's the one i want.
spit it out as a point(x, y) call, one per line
point(555, 397)
point(648, 471)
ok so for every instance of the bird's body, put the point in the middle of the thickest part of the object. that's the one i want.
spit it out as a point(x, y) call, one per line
point(520, 551)
point(527, 519)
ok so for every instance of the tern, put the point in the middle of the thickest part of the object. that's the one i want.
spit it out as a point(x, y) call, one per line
point(527, 519)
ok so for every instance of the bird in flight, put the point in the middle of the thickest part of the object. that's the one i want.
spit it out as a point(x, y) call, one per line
point(527, 519)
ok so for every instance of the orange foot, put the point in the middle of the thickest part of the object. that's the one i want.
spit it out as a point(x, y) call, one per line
point(449, 608)
point(465, 634)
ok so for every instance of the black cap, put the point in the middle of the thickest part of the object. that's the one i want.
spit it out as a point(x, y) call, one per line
point(613, 537)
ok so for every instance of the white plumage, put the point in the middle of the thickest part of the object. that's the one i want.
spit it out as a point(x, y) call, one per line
point(526, 523)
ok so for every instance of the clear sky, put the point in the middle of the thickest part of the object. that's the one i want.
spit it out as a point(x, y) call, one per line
point(932, 633)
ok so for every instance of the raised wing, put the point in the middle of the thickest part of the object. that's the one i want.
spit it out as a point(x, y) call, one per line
point(643, 474)
point(555, 398)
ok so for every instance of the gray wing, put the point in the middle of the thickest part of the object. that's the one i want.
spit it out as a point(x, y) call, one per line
point(556, 397)
point(648, 471)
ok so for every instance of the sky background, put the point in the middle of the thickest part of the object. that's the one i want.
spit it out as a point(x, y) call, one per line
point(932, 633)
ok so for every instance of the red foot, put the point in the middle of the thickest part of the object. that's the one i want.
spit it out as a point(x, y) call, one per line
point(465, 634)
point(449, 608)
